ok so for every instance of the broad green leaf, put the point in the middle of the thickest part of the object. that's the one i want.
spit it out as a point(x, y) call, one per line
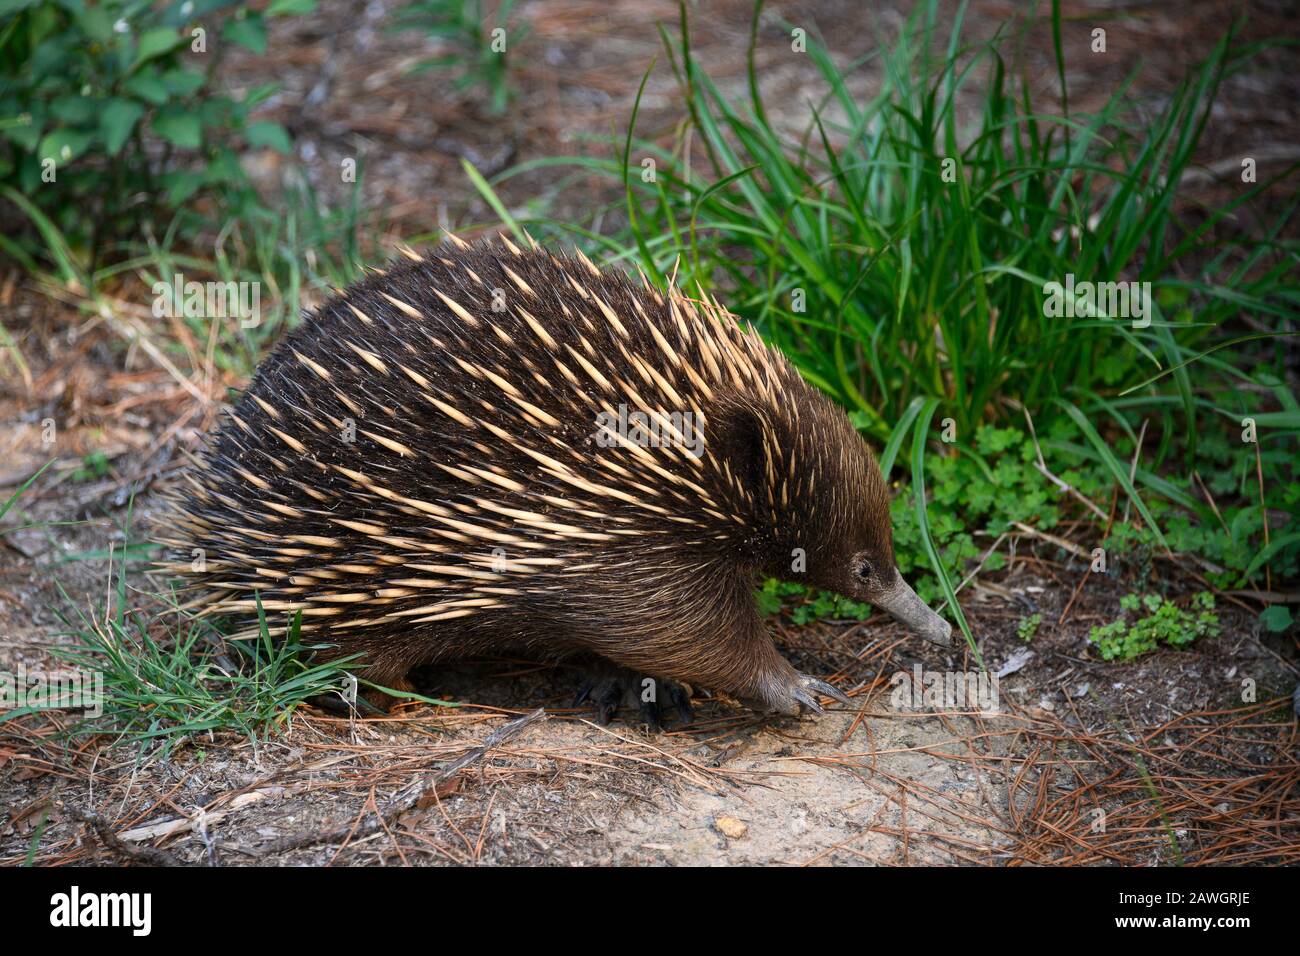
point(148, 86)
point(182, 82)
point(155, 43)
point(74, 110)
point(285, 8)
point(23, 131)
point(249, 32)
point(1276, 618)
point(63, 146)
point(96, 22)
point(269, 134)
point(181, 185)
point(179, 127)
point(116, 121)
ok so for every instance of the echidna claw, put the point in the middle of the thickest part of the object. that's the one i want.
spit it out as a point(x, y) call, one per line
point(809, 701)
point(808, 688)
point(681, 701)
point(828, 690)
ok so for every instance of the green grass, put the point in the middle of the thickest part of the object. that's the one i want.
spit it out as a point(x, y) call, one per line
point(164, 674)
point(917, 286)
point(168, 676)
point(7, 505)
point(296, 248)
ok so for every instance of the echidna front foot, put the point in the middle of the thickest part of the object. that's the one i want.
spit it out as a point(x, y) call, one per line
point(655, 698)
point(795, 693)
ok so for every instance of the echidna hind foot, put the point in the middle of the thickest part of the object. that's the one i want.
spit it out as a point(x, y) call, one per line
point(655, 702)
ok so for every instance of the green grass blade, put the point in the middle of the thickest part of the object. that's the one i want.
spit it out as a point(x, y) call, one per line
point(919, 436)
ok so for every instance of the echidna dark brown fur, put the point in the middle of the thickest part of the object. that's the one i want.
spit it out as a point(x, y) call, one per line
point(437, 464)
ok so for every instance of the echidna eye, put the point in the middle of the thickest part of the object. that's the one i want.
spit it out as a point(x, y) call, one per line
point(864, 570)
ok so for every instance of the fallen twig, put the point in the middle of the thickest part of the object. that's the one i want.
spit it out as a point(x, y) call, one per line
point(407, 799)
point(149, 855)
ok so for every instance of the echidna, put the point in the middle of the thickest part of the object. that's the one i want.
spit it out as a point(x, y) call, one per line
point(492, 447)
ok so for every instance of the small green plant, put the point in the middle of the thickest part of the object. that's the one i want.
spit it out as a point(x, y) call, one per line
point(109, 110)
point(93, 467)
point(1229, 542)
point(1131, 549)
point(806, 604)
point(984, 486)
point(1163, 622)
point(1276, 618)
point(477, 51)
point(1027, 629)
